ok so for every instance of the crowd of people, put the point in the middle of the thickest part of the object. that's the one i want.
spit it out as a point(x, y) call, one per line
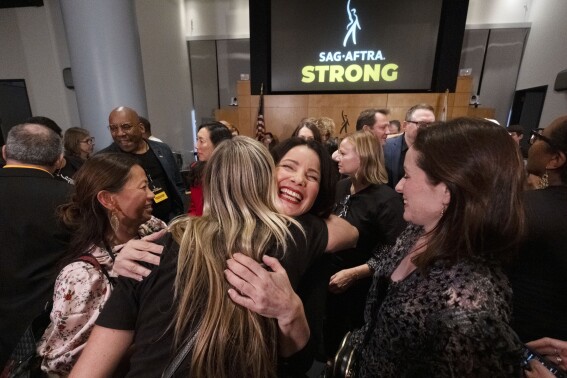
point(409, 249)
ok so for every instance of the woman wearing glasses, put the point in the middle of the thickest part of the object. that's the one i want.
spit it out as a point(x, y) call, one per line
point(79, 147)
point(366, 201)
point(538, 274)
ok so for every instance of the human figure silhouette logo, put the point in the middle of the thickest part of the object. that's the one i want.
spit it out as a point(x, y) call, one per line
point(345, 124)
point(353, 24)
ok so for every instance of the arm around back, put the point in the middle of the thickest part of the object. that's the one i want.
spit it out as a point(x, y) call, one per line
point(100, 360)
point(342, 235)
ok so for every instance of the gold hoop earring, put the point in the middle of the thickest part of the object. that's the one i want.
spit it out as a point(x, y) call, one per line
point(544, 181)
point(114, 222)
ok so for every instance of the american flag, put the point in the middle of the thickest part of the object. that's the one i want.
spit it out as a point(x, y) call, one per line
point(443, 113)
point(260, 126)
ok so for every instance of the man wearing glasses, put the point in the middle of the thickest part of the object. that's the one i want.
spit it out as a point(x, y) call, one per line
point(418, 116)
point(164, 178)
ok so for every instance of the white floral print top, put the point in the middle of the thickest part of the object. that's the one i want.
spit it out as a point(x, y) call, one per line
point(80, 292)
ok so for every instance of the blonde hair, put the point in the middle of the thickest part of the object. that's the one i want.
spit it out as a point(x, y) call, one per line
point(326, 126)
point(372, 168)
point(239, 216)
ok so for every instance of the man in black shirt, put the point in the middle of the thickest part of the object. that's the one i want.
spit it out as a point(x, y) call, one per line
point(156, 158)
point(33, 240)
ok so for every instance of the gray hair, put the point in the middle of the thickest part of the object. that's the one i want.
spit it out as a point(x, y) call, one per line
point(33, 144)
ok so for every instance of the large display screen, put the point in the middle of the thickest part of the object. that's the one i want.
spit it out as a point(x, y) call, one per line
point(353, 45)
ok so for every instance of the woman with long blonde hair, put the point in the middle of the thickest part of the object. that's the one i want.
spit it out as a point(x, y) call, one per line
point(183, 303)
point(239, 215)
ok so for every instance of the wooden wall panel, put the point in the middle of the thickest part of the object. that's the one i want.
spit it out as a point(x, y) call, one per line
point(459, 111)
point(283, 112)
point(407, 100)
point(244, 101)
point(284, 101)
point(283, 121)
point(245, 122)
point(464, 85)
point(229, 114)
point(481, 112)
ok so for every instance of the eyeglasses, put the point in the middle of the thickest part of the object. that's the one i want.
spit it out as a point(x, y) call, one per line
point(125, 127)
point(90, 140)
point(421, 124)
point(536, 134)
point(343, 206)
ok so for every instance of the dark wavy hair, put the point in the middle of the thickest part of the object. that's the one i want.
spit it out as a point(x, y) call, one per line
point(483, 170)
point(326, 197)
point(217, 133)
point(311, 124)
point(84, 214)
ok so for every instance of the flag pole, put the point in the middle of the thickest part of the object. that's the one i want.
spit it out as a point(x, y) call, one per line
point(260, 126)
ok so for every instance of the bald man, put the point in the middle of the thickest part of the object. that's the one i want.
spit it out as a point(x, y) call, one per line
point(156, 158)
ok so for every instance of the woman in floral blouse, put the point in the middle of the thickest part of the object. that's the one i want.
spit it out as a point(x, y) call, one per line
point(112, 204)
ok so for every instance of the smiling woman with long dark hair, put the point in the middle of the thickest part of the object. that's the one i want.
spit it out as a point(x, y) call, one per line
point(112, 204)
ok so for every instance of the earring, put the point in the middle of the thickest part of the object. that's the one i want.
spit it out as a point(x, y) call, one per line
point(114, 222)
point(443, 210)
point(544, 181)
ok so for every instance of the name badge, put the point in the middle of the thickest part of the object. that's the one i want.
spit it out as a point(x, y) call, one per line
point(161, 196)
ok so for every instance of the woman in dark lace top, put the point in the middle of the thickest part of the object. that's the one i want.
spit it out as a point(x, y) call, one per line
point(440, 304)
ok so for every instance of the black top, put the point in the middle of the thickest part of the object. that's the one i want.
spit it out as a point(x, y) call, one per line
point(538, 274)
point(376, 211)
point(158, 183)
point(147, 307)
point(72, 165)
point(32, 244)
point(449, 321)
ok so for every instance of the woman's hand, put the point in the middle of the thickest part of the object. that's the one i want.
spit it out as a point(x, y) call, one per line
point(269, 294)
point(552, 349)
point(126, 263)
point(537, 370)
point(342, 281)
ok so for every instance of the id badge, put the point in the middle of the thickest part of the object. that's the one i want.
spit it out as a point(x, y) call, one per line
point(160, 196)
